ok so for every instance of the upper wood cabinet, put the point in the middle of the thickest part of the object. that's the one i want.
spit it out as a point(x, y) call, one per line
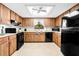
point(13, 15)
point(27, 22)
point(49, 22)
point(5, 15)
point(19, 19)
point(58, 21)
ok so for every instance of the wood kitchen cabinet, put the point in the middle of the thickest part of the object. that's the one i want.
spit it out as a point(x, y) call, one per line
point(49, 22)
point(5, 15)
point(28, 22)
point(34, 37)
point(13, 15)
point(4, 46)
point(29, 36)
point(19, 19)
point(12, 44)
point(58, 21)
point(40, 37)
point(7, 45)
point(57, 38)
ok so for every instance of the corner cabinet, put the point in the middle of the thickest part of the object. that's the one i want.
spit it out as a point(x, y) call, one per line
point(4, 14)
point(4, 46)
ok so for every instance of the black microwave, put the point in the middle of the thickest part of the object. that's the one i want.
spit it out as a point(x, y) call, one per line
point(10, 30)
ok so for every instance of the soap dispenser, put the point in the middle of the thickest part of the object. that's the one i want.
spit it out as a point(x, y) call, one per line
point(2, 30)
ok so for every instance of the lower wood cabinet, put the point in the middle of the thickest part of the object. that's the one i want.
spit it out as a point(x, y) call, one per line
point(34, 37)
point(7, 45)
point(4, 46)
point(12, 44)
point(57, 39)
point(40, 37)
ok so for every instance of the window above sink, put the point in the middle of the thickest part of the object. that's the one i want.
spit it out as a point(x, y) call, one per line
point(39, 24)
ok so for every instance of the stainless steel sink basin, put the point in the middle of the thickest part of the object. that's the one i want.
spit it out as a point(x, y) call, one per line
point(37, 33)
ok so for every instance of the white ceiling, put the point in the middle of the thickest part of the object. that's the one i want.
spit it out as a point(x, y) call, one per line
point(52, 10)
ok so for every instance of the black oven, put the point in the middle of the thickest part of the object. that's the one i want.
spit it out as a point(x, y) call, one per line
point(19, 36)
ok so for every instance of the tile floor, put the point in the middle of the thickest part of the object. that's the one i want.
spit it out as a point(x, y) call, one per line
point(38, 49)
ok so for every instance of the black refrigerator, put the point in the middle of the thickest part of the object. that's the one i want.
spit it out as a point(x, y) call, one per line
point(70, 36)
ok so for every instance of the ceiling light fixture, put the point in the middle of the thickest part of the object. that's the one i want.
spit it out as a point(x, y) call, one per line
point(39, 9)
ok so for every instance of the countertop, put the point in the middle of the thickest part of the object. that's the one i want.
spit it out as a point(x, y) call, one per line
point(46, 29)
point(9, 34)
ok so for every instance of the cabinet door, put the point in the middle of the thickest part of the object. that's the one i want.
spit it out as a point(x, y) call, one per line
point(20, 20)
point(27, 22)
point(4, 49)
point(4, 46)
point(17, 18)
point(40, 37)
point(54, 37)
point(29, 37)
point(5, 15)
point(43, 37)
point(58, 21)
point(13, 15)
point(57, 39)
point(12, 40)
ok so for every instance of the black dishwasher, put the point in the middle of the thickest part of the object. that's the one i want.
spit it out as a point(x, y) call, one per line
point(48, 37)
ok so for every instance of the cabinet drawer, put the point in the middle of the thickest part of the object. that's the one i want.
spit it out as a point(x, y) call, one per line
point(4, 46)
point(13, 36)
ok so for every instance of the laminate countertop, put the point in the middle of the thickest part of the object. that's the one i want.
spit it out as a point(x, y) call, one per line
point(9, 34)
point(4, 35)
